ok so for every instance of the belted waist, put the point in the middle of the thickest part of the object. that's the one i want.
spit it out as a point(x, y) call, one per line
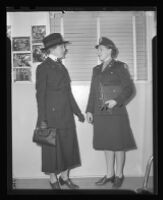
point(51, 89)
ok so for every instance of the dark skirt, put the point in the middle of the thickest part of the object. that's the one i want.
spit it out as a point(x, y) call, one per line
point(113, 132)
point(64, 156)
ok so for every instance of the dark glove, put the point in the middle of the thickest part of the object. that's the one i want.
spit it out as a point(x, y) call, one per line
point(104, 107)
point(81, 117)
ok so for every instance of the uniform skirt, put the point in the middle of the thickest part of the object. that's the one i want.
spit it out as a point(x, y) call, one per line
point(113, 132)
point(65, 155)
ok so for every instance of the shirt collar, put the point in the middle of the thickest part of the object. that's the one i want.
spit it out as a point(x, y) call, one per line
point(107, 61)
point(53, 57)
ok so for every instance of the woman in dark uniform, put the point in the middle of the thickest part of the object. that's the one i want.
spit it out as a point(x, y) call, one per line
point(112, 132)
point(56, 106)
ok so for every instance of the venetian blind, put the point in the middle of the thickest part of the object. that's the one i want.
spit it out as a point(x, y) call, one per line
point(83, 28)
point(142, 72)
point(80, 29)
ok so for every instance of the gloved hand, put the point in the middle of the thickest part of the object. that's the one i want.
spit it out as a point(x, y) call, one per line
point(81, 117)
point(89, 117)
point(111, 103)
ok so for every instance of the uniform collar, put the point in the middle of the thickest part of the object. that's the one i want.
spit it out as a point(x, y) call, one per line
point(54, 58)
point(108, 63)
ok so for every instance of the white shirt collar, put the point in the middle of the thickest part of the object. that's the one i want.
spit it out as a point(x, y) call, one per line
point(108, 60)
point(105, 63)
point(53, 57)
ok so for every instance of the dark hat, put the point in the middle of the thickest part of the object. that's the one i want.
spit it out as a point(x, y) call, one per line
point(53, 40)
point(105, 42)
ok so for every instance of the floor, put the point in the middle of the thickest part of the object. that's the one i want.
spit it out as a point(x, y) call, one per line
point(131, 183)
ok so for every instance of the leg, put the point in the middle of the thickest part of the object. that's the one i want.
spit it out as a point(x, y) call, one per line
point(53, 178)
point(64, 174)
point(110, 159)
point(120, 161)
point(64, 179)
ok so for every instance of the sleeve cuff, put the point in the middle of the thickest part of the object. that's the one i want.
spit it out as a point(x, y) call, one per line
point(119, 101)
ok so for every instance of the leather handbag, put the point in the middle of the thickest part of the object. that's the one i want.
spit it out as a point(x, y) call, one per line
point(46, 136)
point(109, 92)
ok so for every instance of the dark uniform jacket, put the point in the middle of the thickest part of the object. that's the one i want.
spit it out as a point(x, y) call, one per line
point(115, 74)
point(56, 104)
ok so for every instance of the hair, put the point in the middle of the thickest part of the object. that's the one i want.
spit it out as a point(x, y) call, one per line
point(47, 51)
point(114, 52)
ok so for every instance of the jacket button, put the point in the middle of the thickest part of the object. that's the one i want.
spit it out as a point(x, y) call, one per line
point(111, 72)
point(53, 109)
point(114, 90)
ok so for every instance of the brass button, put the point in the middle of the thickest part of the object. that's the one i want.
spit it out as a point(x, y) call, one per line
point(114, 90)
point(53, 109)
point(111, 72)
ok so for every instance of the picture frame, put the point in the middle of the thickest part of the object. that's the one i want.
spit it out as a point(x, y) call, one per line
point(9, 31)
point(21, 43)
point(21, 60)
point(38, 33)
point(22, 74)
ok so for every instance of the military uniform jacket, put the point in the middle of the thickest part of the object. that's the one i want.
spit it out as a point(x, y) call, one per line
point(115, 74)
point(56, 104)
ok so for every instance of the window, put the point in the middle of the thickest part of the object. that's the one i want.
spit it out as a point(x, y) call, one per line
point(127, 29)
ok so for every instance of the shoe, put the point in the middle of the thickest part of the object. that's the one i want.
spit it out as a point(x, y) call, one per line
point(104, 180)
point(118, 182)
point(55, 185)
point(68, 182)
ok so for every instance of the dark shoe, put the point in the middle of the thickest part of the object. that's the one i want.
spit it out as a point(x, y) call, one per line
point(118, 182)
point(55, 185)
point(104, 180)
point(68, 182)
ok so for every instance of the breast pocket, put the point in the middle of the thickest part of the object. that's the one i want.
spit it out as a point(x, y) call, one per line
point(111, 78)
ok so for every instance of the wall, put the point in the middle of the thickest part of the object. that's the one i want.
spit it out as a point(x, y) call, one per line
point(27, 155)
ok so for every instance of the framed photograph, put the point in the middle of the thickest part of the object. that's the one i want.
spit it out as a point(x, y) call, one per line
point(38, 54)
point(9, 31)
point(21, 44)
point(38, 33)
point(22, 74)
point(21, 60)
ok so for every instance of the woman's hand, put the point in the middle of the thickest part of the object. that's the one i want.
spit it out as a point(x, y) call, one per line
point(81, 117)
point(111, 103)
point(89, 117)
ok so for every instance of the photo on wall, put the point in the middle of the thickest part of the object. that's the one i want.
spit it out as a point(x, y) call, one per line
point(38, 54)
point(21, 60)
point(21, 44)
point(22, 74)
point(38, 33)
point(9, 31)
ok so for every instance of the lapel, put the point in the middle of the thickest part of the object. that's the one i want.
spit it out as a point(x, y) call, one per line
point(109, 65)
point(52, 63)
point(103, 74)
point(59, 68)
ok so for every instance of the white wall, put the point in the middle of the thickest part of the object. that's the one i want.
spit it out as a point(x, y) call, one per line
point(27, 155)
